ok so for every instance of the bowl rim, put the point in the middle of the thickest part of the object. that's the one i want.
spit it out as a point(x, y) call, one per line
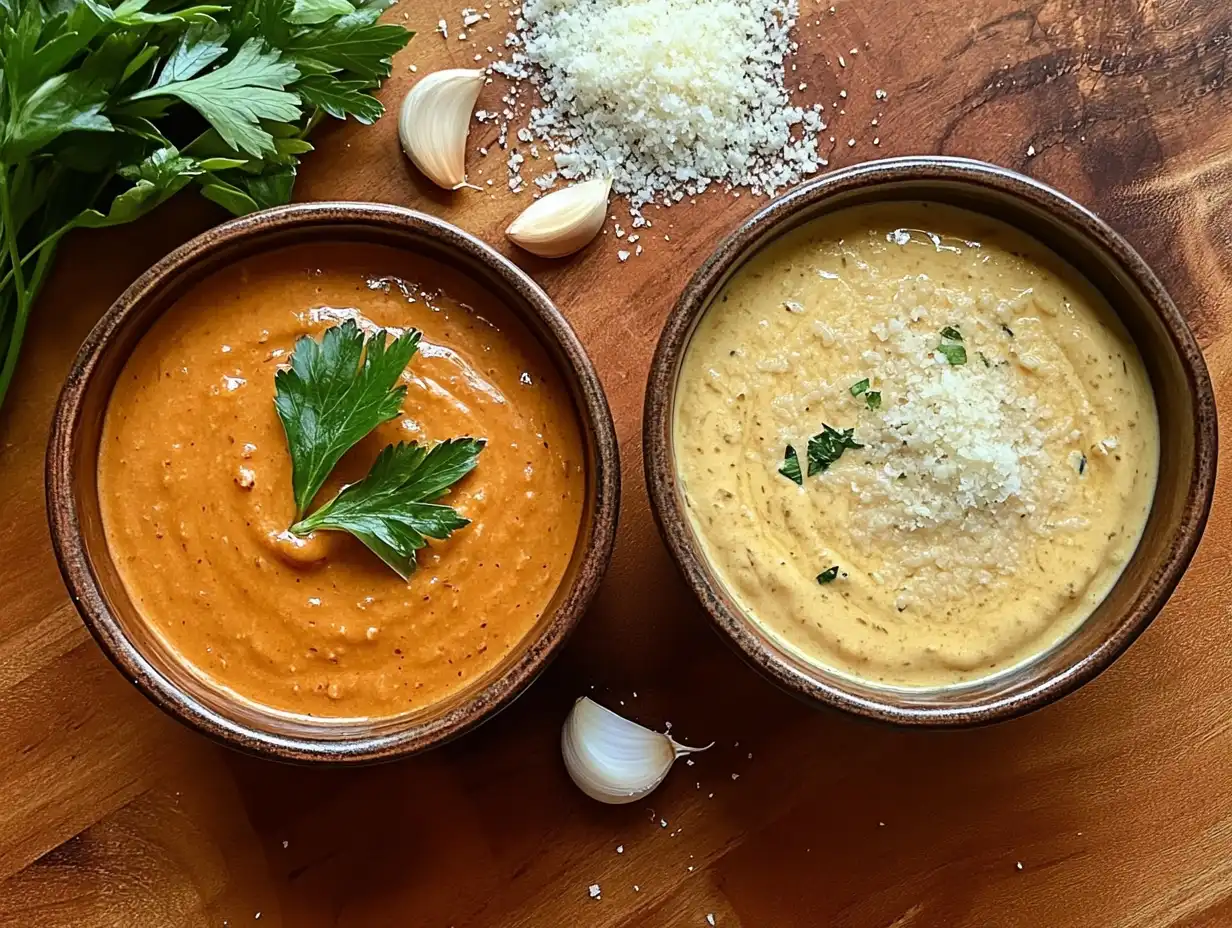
point(662, 484)
point(76, 565)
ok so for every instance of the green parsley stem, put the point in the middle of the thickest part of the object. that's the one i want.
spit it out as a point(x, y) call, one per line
point(19, 282)
point(42, 254)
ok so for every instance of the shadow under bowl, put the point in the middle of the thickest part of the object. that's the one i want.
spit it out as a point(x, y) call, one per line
point(1179, 380)
point(95, 584)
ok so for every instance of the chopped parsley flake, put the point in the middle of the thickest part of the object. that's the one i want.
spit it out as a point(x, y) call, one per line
point(828, 446)
point(955, 354)
point(1007, 330)
point(1082, 465)
point(871, 397)
point(828, 576)
point(790, 468)
point(951, 346)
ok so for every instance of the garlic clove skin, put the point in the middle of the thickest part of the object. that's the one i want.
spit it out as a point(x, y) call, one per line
point(612, 759)
point(434, 121)
point(564, 221)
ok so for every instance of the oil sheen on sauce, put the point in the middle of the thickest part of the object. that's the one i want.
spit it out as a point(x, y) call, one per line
point(998, 491)
point(195, 488)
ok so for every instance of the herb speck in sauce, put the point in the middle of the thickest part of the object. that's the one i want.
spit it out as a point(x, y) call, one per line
point(790, 468)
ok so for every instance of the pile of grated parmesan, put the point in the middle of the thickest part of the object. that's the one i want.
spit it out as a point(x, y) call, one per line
point(667, 96)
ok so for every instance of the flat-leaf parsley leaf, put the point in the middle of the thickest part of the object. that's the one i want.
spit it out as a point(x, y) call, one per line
point(828, 576)
point(335, 392)
point(393, 510)
point(236, 97)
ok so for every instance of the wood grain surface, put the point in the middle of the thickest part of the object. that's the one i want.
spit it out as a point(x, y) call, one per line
point(1112, 808)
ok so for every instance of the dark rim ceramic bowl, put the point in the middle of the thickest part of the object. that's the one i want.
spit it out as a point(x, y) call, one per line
point(1178, 377)
point(91, 577)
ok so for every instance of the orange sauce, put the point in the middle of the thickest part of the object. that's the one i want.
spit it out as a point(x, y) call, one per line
point(195, 486)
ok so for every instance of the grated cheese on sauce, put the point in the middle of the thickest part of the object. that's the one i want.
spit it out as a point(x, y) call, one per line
point(957, 450)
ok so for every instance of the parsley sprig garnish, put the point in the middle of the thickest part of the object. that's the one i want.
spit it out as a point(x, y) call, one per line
point(108, 109)
point(394, 508)
point(336, 391)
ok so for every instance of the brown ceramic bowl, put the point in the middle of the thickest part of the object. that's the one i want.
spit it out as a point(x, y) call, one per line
point(1182, 393)
point(94, 583)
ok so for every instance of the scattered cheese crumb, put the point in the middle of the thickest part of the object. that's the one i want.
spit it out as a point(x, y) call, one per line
point(620, 849)
point(622, 255)
point(443, 28)
point(710, 919)
point(594, 891)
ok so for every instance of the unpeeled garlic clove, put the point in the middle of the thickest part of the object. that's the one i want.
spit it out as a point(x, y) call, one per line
point(564, 221)
point(612, 759)
point(434, 121)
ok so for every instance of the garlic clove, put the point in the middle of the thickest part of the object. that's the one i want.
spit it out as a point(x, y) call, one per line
point(564, 221)
point(434, 121)
point(612, 759)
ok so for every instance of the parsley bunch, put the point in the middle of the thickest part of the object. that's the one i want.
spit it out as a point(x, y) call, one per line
point(108, 111)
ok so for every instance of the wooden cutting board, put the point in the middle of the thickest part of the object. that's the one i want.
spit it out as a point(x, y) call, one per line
point(1113, 808)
